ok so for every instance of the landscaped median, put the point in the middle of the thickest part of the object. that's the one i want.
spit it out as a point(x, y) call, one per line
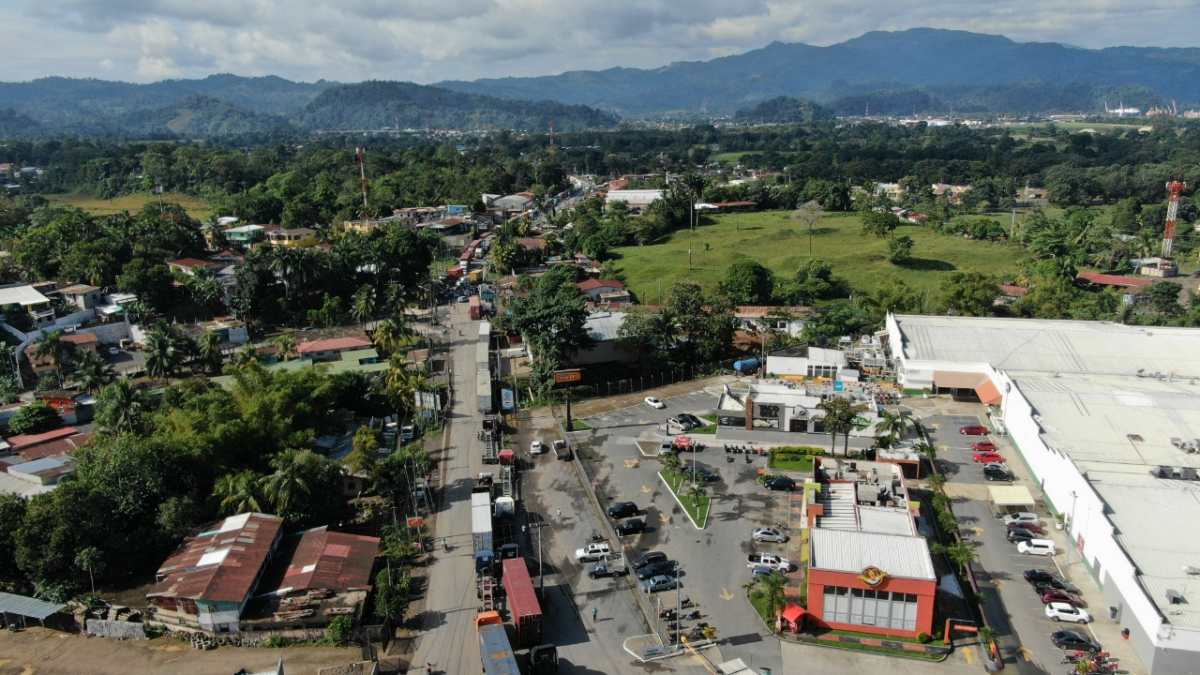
point(694, 503)
point(794, 458)
point(875, 644)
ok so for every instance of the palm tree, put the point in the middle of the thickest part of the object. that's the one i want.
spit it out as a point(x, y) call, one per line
point(695, 493)
point(209, 348)
point(119, 407)
point(138, 312)
point(894, 426)
point(288, 485)
point(244, 356)
point(238, 492)
point(840, 414)
point(51, 346)
point(286, 344)
point(960, 553)
point(162, 356)
point(362, 305)
point(389, 335)
point(90, 560)
point(92, 372)
point(401, 383)
point(772, 586)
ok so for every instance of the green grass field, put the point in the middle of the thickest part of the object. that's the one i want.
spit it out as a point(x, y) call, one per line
point(781, 244)
point(731, 157)
point(196, 207)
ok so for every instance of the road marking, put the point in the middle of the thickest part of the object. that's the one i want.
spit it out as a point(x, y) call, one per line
point(646, 489)
point(726, 594)
point(1026, 654)
point(969, 654)
point(663, 518)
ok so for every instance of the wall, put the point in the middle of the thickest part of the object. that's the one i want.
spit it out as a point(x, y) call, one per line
point(924, 590)
point(1084, 512)
point(787, 365)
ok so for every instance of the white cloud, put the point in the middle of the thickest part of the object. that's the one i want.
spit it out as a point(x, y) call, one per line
point(425, 41)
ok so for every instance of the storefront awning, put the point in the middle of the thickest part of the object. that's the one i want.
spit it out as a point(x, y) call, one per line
point(988, 393)
point(1010, 495)
point(950, 379)
point(792, 613)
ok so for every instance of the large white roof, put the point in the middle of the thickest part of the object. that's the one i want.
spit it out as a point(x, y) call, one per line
point(852, 551)
point(1096, 347)
point(21, 295)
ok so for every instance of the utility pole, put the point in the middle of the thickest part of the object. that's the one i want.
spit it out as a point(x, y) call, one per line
point(678, 607)
point(541, 577)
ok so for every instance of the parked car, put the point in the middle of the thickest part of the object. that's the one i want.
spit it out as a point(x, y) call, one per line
point(659, 583)
point(703, 473)
point(612, 566)
point(667, 447)
point(657, 569)
point(593, 552)
point(762, 571)
point(1056, 584)
point(1061, 611)
point(1031, 528)
point(1050, 595)
point(1036, 576)
point(983, 446)
point(561, 450)
point(769, 560)
point(536, 447)
point(781, 483)
point(622, 510)
point(765, 534)
point(649, 558)
point(1036, 547)
point(1021, 517)
point(1073, 639)
point(1017, 534)
point(987, 457)
point(692, 420)
point(655, 403)
point(631, 526)
point(408, 433)
point(973, 430)
point(995, 472)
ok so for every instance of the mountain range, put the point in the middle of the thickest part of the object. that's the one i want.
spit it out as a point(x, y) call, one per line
point(917, 70)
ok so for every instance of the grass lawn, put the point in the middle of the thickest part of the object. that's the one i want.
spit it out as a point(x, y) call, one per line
point(758, 600)
point(678, 484)
point(781, 244)
point(793, 460)
point(731, 157)
point(579, 425)
point(710, 428)
point(196, 207)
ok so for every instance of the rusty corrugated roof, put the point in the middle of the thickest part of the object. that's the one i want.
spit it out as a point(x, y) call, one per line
point(334, 560)
point(222, 563)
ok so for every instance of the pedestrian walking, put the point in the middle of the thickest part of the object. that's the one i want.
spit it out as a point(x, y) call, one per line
point(558, 514)
point(595, 611)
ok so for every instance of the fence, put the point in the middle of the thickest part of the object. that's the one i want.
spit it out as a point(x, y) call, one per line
point(602, 384)
point(119, 630)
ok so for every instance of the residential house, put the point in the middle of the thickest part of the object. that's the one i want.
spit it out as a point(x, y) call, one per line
point(952, 193)
point(30, 447)
point(892, 191)
point(79, 342)
point(772, 318)
point(25, 296)
point(47, 471)
point(605, 330)
point(636, 200)
point(245, 236)
point(208, 581)
point(229, 331)
point(594, 288)
point(82, 296)
point(192, 266)
point(514, 204)
point(332, 348)
point(290, 237)
point(1129, 287)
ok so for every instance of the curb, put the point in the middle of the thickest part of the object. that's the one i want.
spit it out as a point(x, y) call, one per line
point(681, 506)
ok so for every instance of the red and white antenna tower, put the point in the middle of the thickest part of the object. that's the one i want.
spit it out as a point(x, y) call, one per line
point(1174, 189)
point(552, 133)
point(362, 174)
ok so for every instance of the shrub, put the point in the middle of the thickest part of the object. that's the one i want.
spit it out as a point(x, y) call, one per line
point(924, 638)
point(339, 630)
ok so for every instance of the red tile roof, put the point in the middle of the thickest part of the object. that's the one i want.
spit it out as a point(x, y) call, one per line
point(62, 446)
point(334, 560)
point(761, 311)
point(532, 243)
point(80, 338)
point(222, 564)
point(22, 441)
point(333, 344)
point(1114, 280)
point(592, 284)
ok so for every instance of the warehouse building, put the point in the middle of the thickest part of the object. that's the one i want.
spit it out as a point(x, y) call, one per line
point(1107, 418)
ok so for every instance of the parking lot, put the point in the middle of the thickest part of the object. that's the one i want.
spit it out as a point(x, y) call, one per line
point(713, 560)
point(1014, 609)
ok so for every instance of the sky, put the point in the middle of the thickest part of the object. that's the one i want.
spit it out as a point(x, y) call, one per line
point(431, 40)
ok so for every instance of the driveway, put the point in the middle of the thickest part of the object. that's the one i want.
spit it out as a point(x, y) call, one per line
point(713, 559)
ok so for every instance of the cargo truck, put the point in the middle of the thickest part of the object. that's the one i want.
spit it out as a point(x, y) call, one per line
point(481, 530)
point(475, 308)
point(495, 652)
point(523, 607)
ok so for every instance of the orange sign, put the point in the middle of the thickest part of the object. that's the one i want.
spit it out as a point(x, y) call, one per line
point(567, 376)
point(872, 576)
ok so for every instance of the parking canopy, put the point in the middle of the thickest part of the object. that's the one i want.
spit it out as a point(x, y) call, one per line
point(30, 608)
point(1009, 496)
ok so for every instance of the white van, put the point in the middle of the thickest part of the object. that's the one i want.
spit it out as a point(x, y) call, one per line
point(1036, 547)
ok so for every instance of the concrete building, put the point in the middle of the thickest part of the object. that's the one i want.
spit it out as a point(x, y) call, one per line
point(869, 569)
point(767, 318)
point(191, 266)
point(30, 299)
point(83, 296)
point(807, 362)
point(245, 235)
point(331, 349)
point(777, 406)
point(1107, 418)
point(291, 237)
point(594, 288)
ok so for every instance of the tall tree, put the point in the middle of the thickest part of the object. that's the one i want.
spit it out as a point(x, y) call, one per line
point(239, 493)
point(92, 372)
point(120, 408)
point(51, 346)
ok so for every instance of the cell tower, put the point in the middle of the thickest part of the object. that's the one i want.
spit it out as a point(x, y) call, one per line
point(362, 174)
point(1174, 189)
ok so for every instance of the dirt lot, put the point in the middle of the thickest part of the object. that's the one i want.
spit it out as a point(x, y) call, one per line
point(38, 651)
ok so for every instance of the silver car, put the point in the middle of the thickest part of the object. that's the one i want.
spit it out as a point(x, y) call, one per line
point(769, 534)
point(662, 582)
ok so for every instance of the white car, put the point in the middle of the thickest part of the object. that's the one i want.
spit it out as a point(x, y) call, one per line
point(1036, 547)
point(1061, 611)
point(768, 560)
point(593, 552)
point(655, 403)
point(769, 534)
point(1021, 517)
point(536, 448)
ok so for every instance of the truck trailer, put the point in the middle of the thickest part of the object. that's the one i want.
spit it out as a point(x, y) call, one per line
point(523, 606)
point(495, 652)
point(481, 530)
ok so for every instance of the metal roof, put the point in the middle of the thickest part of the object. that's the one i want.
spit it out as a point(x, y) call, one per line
point(334, 560)
point(23, 295)
point(28, 607)
point(852, 551)
point(220, 565)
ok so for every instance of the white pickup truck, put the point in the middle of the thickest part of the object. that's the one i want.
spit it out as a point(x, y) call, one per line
point(593, 552)
point(767, 560)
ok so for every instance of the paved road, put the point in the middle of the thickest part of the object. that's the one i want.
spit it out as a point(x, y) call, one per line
point(713, 559)
point(448, 637)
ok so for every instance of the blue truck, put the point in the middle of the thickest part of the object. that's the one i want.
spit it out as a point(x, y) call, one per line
point(743, 366)
point(495, 652)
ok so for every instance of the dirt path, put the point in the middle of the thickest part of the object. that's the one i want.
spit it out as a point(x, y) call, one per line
point(37, 651)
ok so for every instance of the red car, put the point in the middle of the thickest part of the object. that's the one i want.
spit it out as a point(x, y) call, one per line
point(987, 457)
point(1032, 527)
point(984, 446)
point(1056, 595)
point(973, 430)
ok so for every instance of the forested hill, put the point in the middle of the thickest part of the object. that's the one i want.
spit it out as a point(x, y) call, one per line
point(784, 110)
point(921, 58)
point(372, 105)
point(222, 105)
